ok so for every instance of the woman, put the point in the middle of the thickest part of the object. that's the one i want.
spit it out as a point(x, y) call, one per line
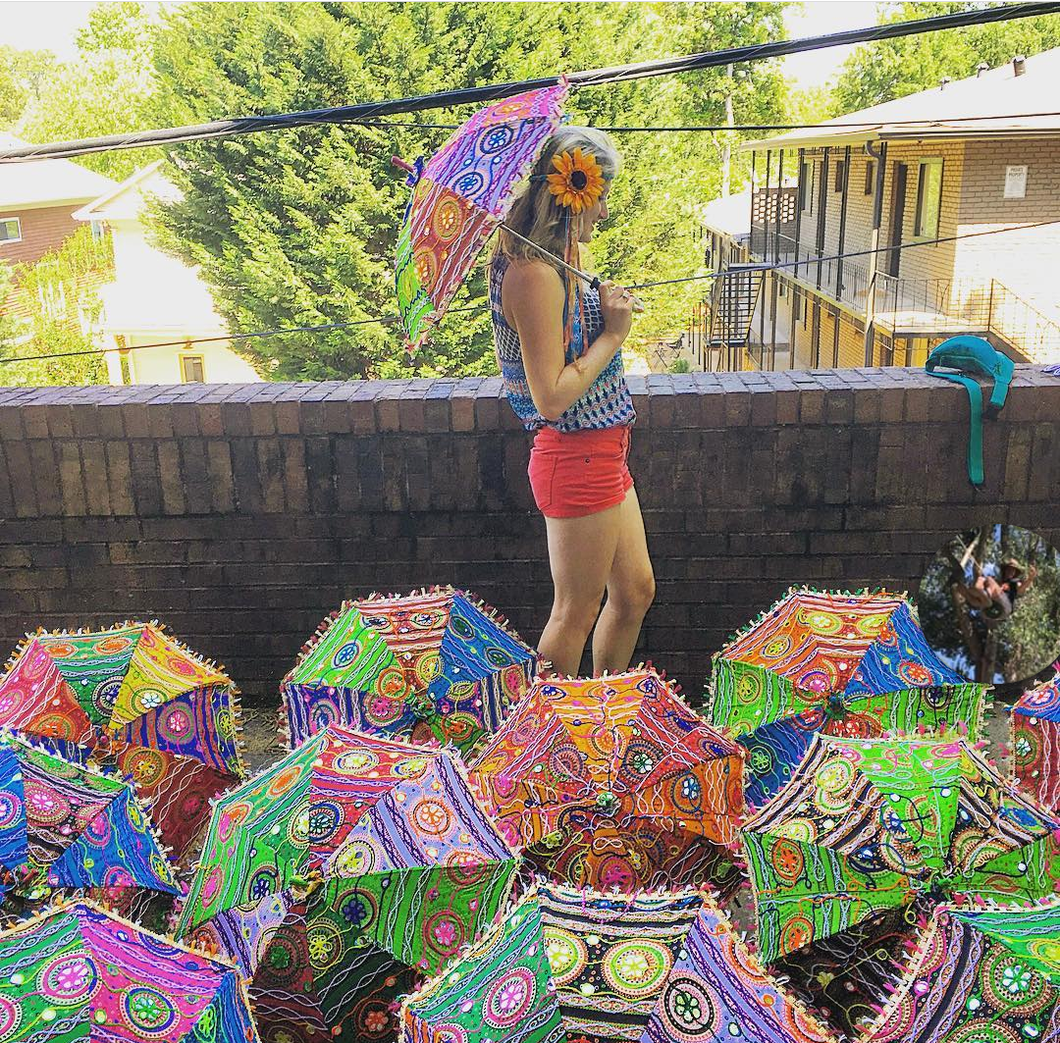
point(559, 348)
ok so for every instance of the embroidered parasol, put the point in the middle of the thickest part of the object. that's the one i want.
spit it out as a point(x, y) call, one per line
point(139, 701)
point(1035, 738)
point(865, 826)
point(437, 665)
point(65, 826)
point(614, 782)
point(339, 872)
point(854, 665)
point(79, 973)
point(460, 196)
point(988, 976)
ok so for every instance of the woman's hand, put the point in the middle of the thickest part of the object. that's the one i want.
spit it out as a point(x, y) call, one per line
point(616, 305)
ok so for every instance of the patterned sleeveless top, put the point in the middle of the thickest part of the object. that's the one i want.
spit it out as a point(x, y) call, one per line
point(606, 402)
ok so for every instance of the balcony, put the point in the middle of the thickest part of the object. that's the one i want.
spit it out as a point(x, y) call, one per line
point(242, 514)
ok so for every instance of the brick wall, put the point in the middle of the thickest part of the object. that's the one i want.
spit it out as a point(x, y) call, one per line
point(43, 229)
point(242, 514)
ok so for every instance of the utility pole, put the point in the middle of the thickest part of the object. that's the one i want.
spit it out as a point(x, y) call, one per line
point(726, 148)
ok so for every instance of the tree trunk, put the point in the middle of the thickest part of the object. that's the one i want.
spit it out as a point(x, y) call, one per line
point(726, 149)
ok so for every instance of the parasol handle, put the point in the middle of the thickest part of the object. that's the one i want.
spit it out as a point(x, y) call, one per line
point(402, 164)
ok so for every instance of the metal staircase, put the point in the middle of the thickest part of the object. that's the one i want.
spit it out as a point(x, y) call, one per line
point(733, 299)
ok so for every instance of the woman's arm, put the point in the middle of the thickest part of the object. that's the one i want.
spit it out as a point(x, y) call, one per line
point(533, 293)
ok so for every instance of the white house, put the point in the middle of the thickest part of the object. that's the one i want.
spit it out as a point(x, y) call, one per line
point(157, 299)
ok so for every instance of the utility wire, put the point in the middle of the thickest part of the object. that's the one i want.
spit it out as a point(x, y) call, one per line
point(388, 319)
point(469, 95)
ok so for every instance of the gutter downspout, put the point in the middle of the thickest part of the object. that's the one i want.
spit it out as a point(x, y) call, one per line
point(879, 154)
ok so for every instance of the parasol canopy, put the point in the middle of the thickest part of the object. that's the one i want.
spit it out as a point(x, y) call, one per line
point(855, 665)
point(79, 973)
point(988, 976)
point(460, 195)
point(866, 826)
point(140, 700)
point(340, 870)
point(1035, 738)
point(65, 826)
point(614, 782)
point(438, 665)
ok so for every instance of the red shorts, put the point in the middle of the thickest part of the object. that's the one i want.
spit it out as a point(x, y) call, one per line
point(576, 473)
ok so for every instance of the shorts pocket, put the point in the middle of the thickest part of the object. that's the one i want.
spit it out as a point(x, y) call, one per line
point(543, 481)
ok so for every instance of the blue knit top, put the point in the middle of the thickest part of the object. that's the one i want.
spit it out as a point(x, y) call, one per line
point(606, 402)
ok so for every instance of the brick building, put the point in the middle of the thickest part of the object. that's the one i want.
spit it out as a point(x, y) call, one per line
point(886, 184)
point(37, 204)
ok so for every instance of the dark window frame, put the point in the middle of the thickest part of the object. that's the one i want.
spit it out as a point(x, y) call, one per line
point(937, 163)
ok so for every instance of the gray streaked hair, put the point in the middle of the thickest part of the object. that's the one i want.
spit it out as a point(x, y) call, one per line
point(535, 212)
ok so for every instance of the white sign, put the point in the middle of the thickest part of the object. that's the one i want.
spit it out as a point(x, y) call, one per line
point(1016, 182)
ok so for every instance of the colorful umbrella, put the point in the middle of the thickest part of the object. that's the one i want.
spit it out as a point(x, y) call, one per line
point(166, 718)
point(614, 783)
point(434, 665)
point(1035, 731)
point(79, 973)
point(990, 976)
point(66, 826)
point(337, 870)
point(864, 826)
point(718, 992)
point(501, 990)
point(460, 196)
point(854, 665)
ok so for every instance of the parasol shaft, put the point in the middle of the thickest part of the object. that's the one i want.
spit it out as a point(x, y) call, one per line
point(592, 280)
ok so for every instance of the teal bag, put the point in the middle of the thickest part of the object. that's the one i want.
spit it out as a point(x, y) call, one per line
point(963, 355)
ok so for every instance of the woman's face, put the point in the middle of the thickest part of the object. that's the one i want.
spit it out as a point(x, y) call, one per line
point(597, 212)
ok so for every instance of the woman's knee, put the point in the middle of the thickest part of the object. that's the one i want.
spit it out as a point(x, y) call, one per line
point(577, 615)
point(635, 597)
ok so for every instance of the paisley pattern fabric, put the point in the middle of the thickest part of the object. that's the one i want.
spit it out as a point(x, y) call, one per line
point(614, 783)
point(64, 826)
point(979, 977)
point(854, 665)
point(868, 825)
point(717, 992)
point(436, 666)
point(333, 874)
point(460, 196)
point(79, 973)
point(501, 990)
point(1035, 738)
point(611, 955)
point(139, 701)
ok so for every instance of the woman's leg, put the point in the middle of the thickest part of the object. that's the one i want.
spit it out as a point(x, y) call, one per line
point(580, 554)
point(630, 592)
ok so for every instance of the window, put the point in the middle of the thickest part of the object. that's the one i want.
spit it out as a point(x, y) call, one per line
point(870, 178)
point(806, 187)
point(928, 199)
point(192, 369)
point(98, 230)
point(840, 174)
point(10, 230)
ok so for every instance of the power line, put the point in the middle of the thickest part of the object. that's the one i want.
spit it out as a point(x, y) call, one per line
point(470, 95)
point(387, 319)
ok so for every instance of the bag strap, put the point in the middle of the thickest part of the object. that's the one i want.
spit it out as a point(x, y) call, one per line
point(975, 420)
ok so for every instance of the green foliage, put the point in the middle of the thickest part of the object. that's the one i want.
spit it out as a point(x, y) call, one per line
point(889, 69)
point(298, 227)
point(106, 90)
point(680, 365)
point(59, 293)
point(23, 75)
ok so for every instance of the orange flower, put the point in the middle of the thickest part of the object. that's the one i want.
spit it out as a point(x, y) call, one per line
point(579, 181)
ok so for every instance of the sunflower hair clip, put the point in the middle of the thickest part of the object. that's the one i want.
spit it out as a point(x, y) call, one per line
point(578, 181)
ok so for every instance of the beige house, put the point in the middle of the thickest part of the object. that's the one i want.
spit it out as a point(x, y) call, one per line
point(886, 184)
point(156, 299)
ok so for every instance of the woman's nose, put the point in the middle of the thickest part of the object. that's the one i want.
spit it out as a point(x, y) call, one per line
point(603, 211)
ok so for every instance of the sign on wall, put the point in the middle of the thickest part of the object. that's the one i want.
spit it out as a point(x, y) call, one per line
point(1016, 181)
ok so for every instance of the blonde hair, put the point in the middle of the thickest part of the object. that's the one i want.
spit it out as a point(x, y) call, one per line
point(535, 213)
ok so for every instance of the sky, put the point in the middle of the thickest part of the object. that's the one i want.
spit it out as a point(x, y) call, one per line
point(53, 25)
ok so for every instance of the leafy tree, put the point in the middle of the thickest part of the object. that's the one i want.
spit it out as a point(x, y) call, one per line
point(889, 69)
point(23, 75)
point(58, 302)
point(106, 90)
point(298, 227)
